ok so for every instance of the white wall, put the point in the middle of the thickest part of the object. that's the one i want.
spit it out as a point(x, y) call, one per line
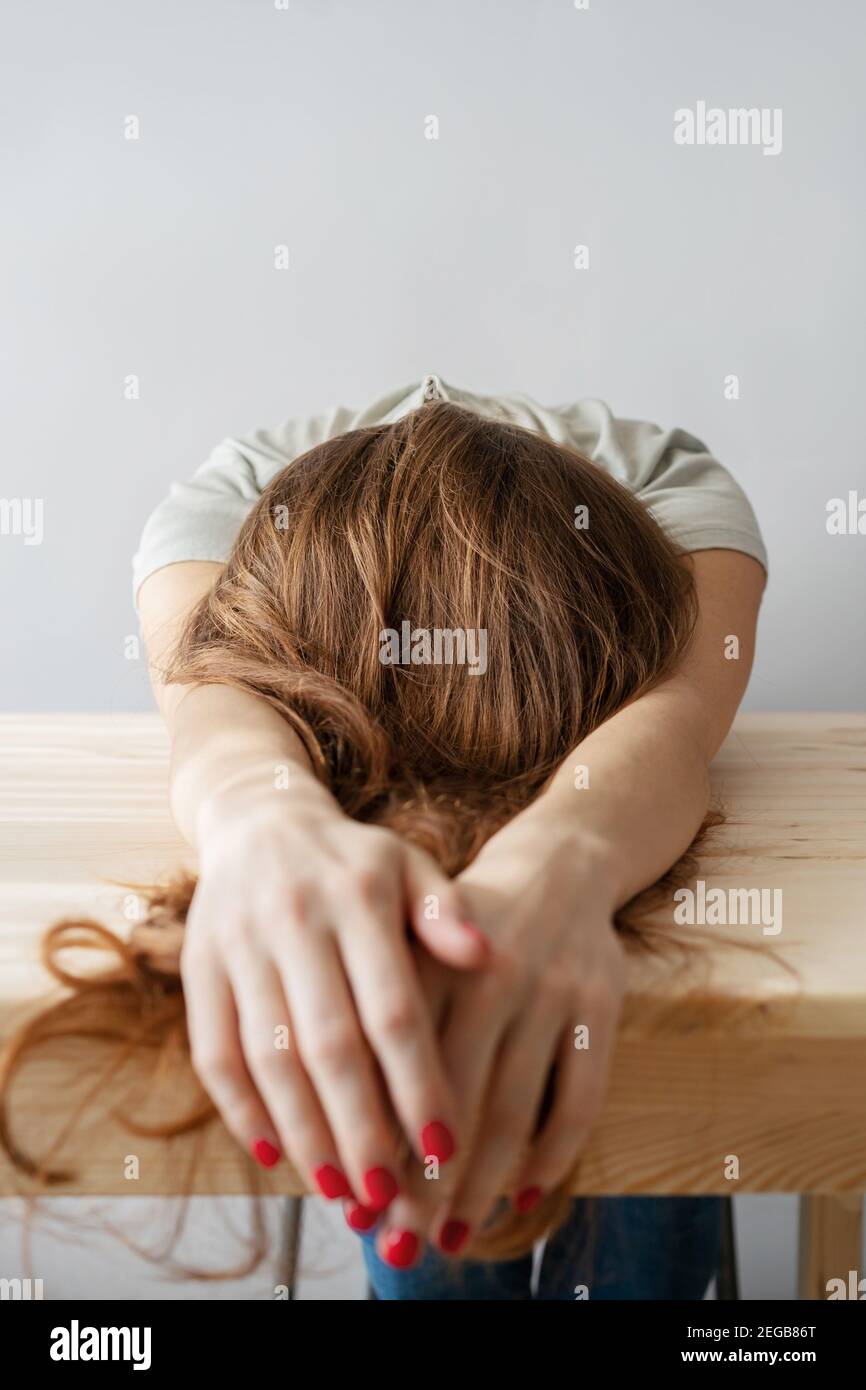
point(306, 127)
point(408, 255)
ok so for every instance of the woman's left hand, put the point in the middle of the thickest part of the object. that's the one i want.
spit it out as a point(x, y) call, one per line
point(548, 1002)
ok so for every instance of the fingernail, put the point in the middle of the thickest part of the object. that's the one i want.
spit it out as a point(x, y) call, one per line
point(400, 1249)
point(478, 934)
point(331, 1182)
point(360, 1218)
point(453, 1236)
point(527, 1199)
point(264, 1152)
point(381, 1188)
point(437, 1141)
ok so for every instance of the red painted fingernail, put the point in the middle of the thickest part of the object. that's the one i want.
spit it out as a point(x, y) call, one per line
point(360, 1218)
point(264, 1152)
point(381, 1188)
point(453, 1236)
point(437, 1141)
point(527, 1199)
point(479, 936)
point(331, 1182)
point(400, 1249)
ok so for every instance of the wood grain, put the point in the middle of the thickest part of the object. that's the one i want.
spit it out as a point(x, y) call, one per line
point(831, 1234)
point(778, 1097)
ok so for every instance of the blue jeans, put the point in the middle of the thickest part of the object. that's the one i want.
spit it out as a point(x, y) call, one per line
point(618, 1247)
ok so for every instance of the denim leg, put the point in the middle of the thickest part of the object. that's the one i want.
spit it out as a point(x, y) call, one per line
point(442, 1280)
point(635, 1248)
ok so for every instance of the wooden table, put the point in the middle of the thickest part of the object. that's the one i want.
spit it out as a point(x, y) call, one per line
point(83, 801)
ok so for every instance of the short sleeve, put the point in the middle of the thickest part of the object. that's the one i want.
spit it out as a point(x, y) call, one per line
point(200, 518)
point(692, 496)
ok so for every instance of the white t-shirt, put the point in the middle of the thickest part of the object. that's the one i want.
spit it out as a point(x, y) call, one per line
point(692, 497)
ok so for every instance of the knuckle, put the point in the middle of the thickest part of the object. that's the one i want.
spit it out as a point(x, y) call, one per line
point(296, 901)
point(333, 1048)
point(216, 1064)
point(346, 884)
point(265, 1060)
point(227, 932)
point(395, 1018)
point(368, 884)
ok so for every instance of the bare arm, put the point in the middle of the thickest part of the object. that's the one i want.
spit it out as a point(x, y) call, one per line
point(220, 738)
point(546, 887)
point(649, 765)
point(297, 926)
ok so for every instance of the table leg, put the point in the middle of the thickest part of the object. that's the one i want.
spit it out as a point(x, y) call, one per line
point(831, 1242)
point(290, 1243)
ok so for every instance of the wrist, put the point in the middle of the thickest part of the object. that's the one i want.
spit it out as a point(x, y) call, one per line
point(259, 793)
point(552, 838)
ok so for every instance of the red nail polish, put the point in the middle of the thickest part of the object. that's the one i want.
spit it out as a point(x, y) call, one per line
point(359, 1218)
point(264, 1152)
point(479, 936)
point(400, 1249)
point(437, 1141)
point(527, 1199)
point(453, 1236)
point(381, 1188)
point(331, 1182)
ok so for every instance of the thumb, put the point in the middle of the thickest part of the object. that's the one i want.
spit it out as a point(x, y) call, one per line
point(438, 917)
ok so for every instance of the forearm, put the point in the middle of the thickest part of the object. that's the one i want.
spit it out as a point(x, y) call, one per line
point(232, 749)
point(632, 796)
point(628, 801)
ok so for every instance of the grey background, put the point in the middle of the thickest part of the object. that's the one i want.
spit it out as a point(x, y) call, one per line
point(306, 127)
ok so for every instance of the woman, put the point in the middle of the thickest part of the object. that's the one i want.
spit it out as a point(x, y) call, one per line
point(506, 815)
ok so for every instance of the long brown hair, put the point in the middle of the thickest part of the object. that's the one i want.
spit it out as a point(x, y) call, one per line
point(445, 520)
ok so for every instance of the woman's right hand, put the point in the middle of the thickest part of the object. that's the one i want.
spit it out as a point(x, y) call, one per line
point(307, 1023)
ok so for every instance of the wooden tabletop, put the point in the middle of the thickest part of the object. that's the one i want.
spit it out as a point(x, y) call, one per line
point(780, 1100)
